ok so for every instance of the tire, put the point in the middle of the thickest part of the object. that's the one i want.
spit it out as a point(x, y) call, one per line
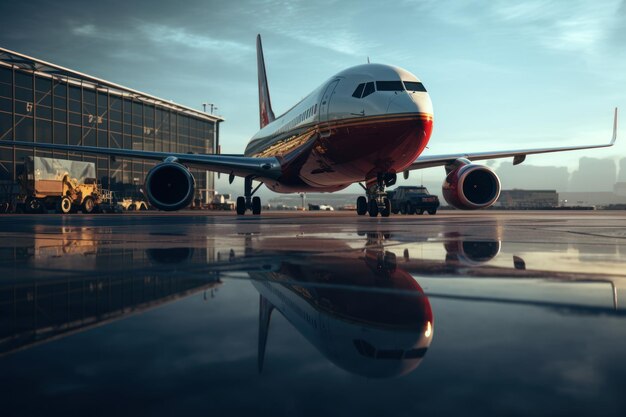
point(256, 205)
point(387, 210)
point(372, 208)
point(432, 212)
point(361, 206)
point(88, 205)
point(33, 205)
point(241, 206)
point(403, 208)
point(132, 207)
point(390, 262)
point(420, 211)
point(410, 209)
point(143, 207)
point(64, 205)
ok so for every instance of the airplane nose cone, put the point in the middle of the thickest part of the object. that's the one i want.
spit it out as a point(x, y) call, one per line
point(422, 102)
point(410, 102)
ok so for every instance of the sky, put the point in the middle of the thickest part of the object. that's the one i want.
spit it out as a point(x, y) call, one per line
point(501, 74)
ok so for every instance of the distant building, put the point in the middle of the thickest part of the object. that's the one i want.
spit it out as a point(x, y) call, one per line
point(598, 199)
point(620, 188)
point(45, 103)
point(527, 199)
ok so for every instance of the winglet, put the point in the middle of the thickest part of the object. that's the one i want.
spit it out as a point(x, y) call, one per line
point(614, 127)
point(265, 104)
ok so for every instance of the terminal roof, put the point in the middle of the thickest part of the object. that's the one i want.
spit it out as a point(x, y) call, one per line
point(56, 71)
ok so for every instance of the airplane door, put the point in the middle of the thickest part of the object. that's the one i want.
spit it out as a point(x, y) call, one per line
point(324, 107)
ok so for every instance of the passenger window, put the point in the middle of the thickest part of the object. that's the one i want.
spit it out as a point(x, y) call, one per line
point(359, 90)
point(389, 86)
point(369, 89)
point(414, 86)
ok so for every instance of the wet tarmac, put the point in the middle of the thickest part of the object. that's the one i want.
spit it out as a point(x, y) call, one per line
point(311, 314)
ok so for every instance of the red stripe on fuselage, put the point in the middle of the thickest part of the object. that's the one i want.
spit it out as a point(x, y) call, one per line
point(332, 155)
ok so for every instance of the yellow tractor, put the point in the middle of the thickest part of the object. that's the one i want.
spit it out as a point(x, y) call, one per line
point(59, 184)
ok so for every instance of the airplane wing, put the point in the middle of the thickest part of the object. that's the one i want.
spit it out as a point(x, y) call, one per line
point(238, 165)
point(427, 161)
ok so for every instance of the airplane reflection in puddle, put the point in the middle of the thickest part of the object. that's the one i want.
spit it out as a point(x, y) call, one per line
point(359, 304)
point(364, 309)
point(364, 314)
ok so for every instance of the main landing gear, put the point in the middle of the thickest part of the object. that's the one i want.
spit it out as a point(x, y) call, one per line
point(248, 202)
point(376, 201)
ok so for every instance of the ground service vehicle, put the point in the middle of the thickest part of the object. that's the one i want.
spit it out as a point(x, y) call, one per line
point(132, 204)
point(413, 199)
point(59, 184)
point(221, 202)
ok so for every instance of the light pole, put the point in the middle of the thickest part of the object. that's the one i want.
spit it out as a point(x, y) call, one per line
point(211, 107)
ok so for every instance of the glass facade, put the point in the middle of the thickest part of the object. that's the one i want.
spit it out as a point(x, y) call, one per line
point(47, 108)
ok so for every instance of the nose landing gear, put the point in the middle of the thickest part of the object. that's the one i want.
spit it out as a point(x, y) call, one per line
point(376, 202)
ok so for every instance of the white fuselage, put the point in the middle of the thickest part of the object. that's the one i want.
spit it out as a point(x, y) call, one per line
point(365, 119)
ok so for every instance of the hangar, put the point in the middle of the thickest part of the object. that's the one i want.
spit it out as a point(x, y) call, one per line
point(46, 103)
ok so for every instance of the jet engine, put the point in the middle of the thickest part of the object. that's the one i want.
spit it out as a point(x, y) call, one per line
point(469, 186)
point(170, 186)
point(471, 252)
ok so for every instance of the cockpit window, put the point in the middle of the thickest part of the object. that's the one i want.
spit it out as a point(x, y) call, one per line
point(369, 89)
point(414, 86)
point(389, 86)
point(359, 90)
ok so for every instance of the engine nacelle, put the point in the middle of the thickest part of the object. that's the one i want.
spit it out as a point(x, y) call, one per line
point(170, 186)
point(471, 252)
point(470, 186)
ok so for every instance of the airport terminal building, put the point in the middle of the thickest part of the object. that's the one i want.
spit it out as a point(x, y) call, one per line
point(46, 103)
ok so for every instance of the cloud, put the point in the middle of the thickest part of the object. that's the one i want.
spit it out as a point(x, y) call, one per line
point(575, 26)
point(176, 36)
point(164, 37)
point(85, 30)
point(572, 26)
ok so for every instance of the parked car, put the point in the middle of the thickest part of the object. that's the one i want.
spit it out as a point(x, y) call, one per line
point(412, 200)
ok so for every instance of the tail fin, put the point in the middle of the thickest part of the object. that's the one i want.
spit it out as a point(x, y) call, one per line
point(265, 314)
point(265, 104)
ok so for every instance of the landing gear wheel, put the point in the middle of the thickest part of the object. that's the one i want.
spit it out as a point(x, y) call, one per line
point(64, 205)
point(387, 210)
point(361, 206)
point(372, 208)
point(241, 206)
point(88, 205)
point(256, 205)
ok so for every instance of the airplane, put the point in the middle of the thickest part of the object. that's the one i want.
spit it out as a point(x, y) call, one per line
point(365, 124)
point(368, 319)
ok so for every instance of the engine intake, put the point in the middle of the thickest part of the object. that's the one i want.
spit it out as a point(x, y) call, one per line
point(471, 187)
point(471, 252)
point(170, 186)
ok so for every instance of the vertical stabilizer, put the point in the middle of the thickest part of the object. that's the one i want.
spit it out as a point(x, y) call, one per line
point(265, 313)
point(265, 104)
